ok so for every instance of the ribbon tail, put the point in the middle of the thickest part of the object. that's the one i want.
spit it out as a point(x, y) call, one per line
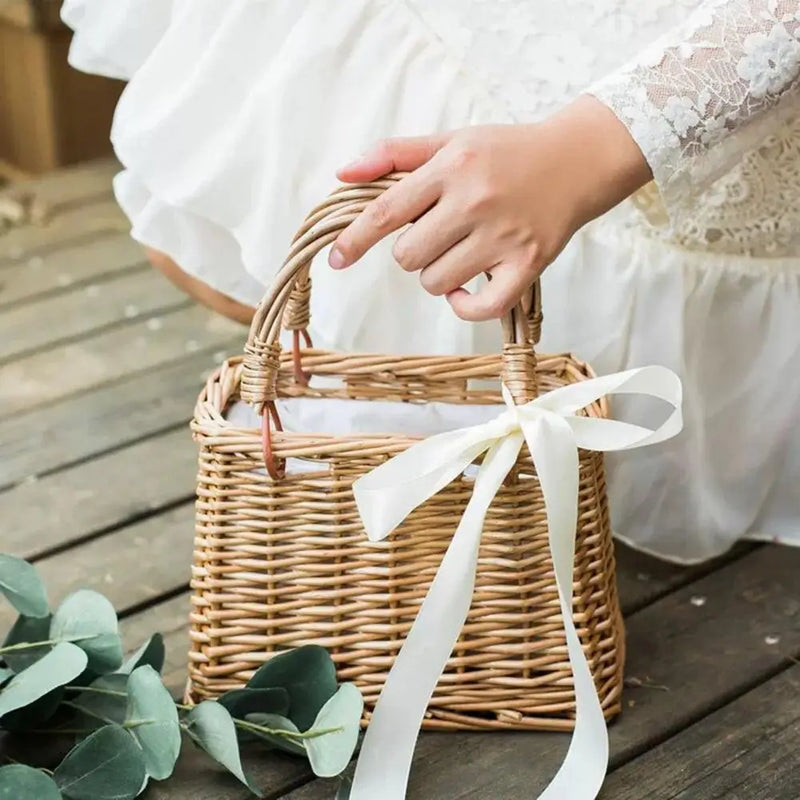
point(385, 761)
point(555, 456)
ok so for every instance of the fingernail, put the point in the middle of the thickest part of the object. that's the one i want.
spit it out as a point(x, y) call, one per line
point(336, 259)
point(358, 161)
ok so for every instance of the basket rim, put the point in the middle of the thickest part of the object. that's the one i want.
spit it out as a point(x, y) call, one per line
point(222, 389)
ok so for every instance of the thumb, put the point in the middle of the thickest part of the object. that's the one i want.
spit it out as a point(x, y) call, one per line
point(393, 155)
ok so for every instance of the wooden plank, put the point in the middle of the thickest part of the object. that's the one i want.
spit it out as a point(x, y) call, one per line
point(72, 225)
point(748, 749)
point(71, 368)
point(70, 267)
point(72, 185)
point(85, 425)
point(97, 495)
point(78, 313)
point(642, 579)
point(131, 567)
point(691, 657)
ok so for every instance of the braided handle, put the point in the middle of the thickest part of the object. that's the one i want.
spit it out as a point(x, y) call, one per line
point(286, 304)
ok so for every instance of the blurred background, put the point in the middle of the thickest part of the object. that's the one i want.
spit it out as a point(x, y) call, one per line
point(50, 115)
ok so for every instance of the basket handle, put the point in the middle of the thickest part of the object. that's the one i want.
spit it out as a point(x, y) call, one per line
point(286, 304)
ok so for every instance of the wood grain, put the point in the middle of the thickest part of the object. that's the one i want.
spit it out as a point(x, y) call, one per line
point(73, 504)
point(690, 659)
point(70, 267)
point(748, 750)
point(81, 312)
point(67, 369)
point(114, 415)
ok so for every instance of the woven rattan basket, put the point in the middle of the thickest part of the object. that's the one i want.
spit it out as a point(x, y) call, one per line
point(282, 560)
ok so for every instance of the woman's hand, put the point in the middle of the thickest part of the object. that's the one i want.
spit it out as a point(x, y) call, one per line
point(503, 200)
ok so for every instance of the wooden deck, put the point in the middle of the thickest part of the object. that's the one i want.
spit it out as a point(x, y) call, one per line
point(100, 363)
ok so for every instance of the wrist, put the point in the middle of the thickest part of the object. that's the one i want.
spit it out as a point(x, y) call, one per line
point(609, 164)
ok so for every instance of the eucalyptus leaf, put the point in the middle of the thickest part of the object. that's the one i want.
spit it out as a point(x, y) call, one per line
point(330, 754)
point(6, 675)
point(108, 765)
point(152, 653)
point(27, 630)
point(241, 702)
point(34, 715)
point(307, 673)
point(277, 722)
point(18, 782)
point(153, 720)
point(21, 585)
point(89, 619)
point(211, 726)
point(62, 664)
point(96, 708)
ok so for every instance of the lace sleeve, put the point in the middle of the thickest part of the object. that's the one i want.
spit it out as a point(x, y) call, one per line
point(708, 92)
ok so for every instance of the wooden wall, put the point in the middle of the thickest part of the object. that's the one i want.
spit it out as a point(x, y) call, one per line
point(50, 114)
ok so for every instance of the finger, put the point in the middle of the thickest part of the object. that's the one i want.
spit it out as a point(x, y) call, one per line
point(393, 155)
point(458, 266)
point(397, 206)
point(496, 298)
point(430, 237)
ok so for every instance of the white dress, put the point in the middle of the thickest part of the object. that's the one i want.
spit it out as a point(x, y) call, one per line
point(238, 113)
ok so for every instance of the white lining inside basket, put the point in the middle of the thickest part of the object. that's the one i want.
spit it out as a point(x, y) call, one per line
point(337, 416)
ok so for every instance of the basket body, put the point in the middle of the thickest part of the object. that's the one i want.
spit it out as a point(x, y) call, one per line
point(283, 563)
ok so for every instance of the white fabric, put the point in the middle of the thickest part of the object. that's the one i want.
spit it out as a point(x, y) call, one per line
point(232, 126)
point(553, 431)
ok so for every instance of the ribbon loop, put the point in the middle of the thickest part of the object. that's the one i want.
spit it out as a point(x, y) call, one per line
point(553, 429)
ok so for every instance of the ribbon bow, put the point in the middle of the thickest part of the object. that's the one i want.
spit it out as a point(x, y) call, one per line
point(553, 430)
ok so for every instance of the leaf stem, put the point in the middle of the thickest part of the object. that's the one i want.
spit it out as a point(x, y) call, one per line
point(88, 712)
point(253, 728)
point(31, 645)
point(95, 690)
point(312, 734)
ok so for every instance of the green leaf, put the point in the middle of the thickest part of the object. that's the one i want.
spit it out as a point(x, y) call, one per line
point(108, 765)
point(307, 673)
point(5, 675)
point(279, 723)
point(152, 653)
point(96, 709)
point(158, 731)
point(27, 630)
point(21, 585)
point(344, 789)
point(35, 715)
point(211, 726)
point(18, 782)
point(60, 666)
point(89, 619)
point(241, 702)
point(330, 754)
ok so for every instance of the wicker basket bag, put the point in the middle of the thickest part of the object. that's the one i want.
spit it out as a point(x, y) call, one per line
point(281, 559)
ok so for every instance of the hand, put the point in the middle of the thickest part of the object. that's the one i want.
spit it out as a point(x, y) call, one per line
point(502, 200)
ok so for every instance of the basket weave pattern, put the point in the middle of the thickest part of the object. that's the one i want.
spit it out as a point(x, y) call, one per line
point(282, 560)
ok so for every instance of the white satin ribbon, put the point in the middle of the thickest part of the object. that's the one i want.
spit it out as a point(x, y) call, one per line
point(553, 432)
